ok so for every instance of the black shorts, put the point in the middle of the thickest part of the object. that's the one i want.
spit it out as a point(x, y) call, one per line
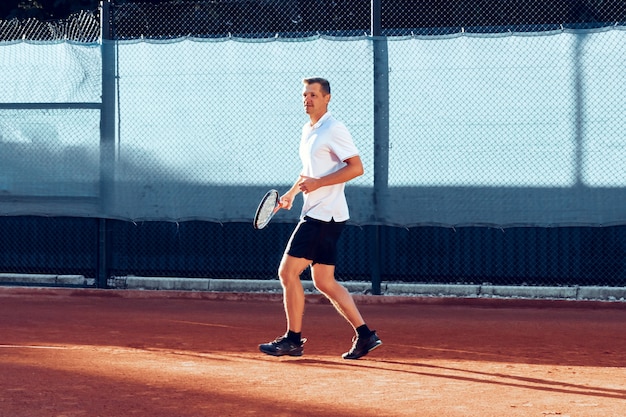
point(315, 240)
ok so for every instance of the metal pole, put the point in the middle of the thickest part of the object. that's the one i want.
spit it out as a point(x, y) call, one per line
point(107, 141)
point(381, 136)
point(579, 96)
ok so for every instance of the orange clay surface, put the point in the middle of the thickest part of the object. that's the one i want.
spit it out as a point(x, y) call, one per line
point(79, 352)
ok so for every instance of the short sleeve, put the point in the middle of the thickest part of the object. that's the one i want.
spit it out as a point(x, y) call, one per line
point(342, 144)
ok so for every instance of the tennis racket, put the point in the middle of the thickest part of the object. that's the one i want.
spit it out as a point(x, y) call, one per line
point(268, 206)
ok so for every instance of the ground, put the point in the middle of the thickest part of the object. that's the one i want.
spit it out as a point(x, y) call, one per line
point(78, 352)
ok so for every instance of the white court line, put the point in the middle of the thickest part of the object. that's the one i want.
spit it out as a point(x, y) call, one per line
point(34, 347)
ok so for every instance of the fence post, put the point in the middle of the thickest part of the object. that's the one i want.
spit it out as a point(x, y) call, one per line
point(107, 141)
point(579, 97)
point(381, 136)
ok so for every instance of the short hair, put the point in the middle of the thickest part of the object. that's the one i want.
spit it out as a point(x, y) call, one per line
point(323, 82)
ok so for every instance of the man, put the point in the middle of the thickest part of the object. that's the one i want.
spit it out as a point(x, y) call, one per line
point(329, 159)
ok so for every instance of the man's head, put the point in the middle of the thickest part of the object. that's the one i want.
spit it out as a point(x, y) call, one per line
point(323, 82)
point(316, 96)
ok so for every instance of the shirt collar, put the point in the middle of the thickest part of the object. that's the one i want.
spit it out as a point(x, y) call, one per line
point(321, 120)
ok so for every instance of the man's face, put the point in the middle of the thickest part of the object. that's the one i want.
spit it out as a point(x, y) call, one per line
point(314, 100)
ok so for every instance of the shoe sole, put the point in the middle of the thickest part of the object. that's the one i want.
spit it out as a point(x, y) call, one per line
point(293, 353)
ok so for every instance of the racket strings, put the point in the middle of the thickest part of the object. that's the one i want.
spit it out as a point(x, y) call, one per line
point(266, 209)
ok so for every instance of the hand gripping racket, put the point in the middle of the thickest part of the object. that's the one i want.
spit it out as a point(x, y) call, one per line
point(267, 208)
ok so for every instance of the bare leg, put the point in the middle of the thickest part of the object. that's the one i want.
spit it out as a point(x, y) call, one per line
point(293, 293)
point(325, 282)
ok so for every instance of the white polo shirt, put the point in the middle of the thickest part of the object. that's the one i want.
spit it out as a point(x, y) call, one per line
point(323, 148)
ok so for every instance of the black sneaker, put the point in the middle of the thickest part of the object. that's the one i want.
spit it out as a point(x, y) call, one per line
point(282, 346)
point(361, 346)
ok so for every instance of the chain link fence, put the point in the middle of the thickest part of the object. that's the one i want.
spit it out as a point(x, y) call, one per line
point(79, 27)
point(504, 154)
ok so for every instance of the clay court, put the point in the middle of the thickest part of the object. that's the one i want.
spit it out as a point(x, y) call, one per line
point(77, 352)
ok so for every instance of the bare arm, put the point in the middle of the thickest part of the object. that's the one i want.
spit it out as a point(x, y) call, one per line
point(286, 200)
point(352, 169)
